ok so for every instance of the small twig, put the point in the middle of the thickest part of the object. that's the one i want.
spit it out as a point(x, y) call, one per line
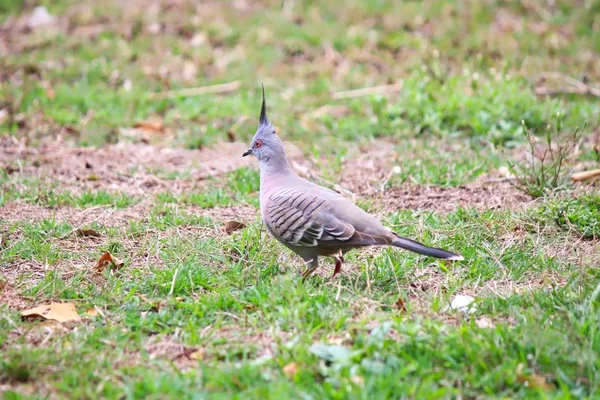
point(348, 94)
point(173, 282)
point(197, 91)
point(585, 175)
point(574, 86)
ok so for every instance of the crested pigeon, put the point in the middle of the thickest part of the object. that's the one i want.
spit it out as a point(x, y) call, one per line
point(312, 220)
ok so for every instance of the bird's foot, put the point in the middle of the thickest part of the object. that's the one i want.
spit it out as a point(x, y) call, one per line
point(338, 266)
point(307, 273)
point(311, 266)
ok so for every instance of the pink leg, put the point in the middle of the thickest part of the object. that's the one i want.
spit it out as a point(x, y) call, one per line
point(338, 265)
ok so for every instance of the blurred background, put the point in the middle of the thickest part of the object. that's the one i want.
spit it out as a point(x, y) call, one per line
point(464, 71)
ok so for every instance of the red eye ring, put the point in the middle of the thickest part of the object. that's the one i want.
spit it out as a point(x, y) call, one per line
point(258, 143)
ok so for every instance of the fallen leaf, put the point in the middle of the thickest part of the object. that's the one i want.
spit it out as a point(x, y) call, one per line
point(331, 352)
point(61, 312)
point(290, 370)
point(484, 322)
point(400, 304)
point(198, 354)
point(333, 339)
point(505, 172)
point(532, 380)
point(3, 285)
point(92, 312)
point(231, 136)
point(9, 169)
point(88, 233)
point(462, 303)
point(155, 305)
point(152, 126)
point(232, 226)
point(107, 261)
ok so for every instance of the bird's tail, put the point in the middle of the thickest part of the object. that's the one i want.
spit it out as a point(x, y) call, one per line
point(420, 248)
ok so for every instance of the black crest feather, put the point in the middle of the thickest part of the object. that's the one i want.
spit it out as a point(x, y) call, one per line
point(263, 109)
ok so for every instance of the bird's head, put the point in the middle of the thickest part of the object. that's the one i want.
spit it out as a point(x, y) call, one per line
point(265, 144)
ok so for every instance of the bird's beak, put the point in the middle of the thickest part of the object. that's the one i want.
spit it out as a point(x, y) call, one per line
point(247, 153)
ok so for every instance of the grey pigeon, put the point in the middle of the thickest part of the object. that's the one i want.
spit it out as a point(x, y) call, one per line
point(312, 220)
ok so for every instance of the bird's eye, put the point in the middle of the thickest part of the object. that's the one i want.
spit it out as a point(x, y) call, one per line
point(258, 143)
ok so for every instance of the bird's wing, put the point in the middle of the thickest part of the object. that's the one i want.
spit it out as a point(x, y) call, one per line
point(303, 218)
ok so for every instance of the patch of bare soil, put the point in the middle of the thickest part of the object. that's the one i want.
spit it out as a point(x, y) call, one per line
point(128, 168)
point(135, 169)
point(482, 196)
point(376, 163)
point(16, 211)
point(107, 217)
point(367, 171)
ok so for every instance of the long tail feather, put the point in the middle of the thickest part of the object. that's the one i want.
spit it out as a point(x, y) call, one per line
point(420, 248)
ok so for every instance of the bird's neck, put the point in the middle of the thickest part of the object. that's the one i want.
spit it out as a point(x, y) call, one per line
point(275, 166)
point(274, 173)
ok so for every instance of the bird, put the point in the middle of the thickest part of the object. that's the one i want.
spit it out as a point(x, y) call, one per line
point(311, 220)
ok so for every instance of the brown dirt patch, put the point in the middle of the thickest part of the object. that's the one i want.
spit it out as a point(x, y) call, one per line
point(17, 211)
point(128, 168)
point(481, 196)
point(106, 216)
point(376, 163)
point(366, 171)
point(135, 169)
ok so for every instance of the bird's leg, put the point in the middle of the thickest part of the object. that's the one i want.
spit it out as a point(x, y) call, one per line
point(339, 260)
point(311, 266)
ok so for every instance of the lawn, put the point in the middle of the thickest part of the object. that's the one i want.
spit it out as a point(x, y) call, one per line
point(457, 123)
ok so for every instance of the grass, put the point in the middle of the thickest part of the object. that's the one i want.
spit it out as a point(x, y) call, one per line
point(199, 313)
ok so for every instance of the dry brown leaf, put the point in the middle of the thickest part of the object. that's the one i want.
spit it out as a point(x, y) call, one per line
point(198, 354)
point(88, 233)
point(290, 370)
point(107, 261)
point(61, 312)
point(232, 226)
point(3, 285)
point(333, 339)
point(231, 136)
point(532, 380)
point(400, 304)
point(92, 312)
point(151, 126)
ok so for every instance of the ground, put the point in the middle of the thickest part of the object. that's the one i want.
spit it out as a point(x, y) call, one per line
point(113, 138)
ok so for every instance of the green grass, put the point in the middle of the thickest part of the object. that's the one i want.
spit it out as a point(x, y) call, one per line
point(238, 288)
point(198, 313)
point(580, 215)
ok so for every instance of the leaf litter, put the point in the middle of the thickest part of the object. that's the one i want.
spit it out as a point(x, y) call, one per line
point(108, 261)
point(61, 312)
